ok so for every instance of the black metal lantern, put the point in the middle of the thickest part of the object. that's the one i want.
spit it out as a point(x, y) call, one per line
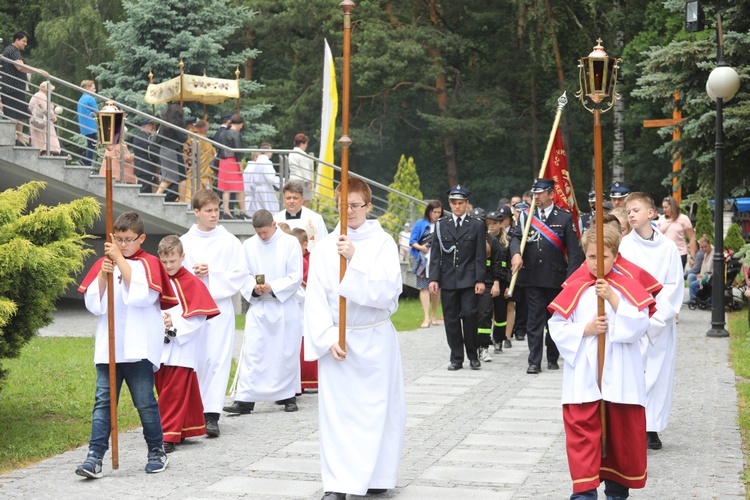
point(693, 16)
point(598, 77)
point(109, 122)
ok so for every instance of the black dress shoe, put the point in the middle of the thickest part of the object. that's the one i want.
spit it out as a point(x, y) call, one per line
point(520, 338)
point(552, 365)
point(333, 495)
point(376, 491)
point(240, 408)
point(290, 404)
point(533, 369)
point(654, 443)
point(455, 366)
point(475, 364)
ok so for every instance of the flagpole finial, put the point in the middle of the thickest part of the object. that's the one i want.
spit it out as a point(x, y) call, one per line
point(562, 100)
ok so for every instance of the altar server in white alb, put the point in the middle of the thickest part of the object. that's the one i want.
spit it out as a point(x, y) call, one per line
point(647, 248)
point(269, 366)
point(362, 413)
point(215, 256)
point(576, 329)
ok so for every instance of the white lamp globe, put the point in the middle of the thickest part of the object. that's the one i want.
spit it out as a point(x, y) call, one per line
point(723, 82)
point(59, 110)
point(710, 92)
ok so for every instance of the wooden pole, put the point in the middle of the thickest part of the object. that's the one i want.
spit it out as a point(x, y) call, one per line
point(675, 122)
point(182, 71)
point(151, 82)
point(346, 6)
point(561, 102)
point(599, 188)
point(237, 79)
point(111, 321)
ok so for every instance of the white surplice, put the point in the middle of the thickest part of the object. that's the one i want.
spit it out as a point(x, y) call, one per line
point(312, 222)
point(139, 326)
point(661, 259)
point(181, 350)
point(261, 183)
point(269, 367)
point(227, 273)
point(622, 378)
point(362, 410)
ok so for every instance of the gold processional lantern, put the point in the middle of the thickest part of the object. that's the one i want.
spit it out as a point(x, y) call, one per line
point(598, 78)
point(109, 122)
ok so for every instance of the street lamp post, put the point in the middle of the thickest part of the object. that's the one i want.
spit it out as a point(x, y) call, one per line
point(597, 74)
point(722, 84)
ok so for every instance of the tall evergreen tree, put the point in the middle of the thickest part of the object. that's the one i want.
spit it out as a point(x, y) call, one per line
point(155, 36)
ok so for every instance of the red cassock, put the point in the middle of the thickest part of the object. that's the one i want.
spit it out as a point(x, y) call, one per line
point(308, 369)
point(180, 403)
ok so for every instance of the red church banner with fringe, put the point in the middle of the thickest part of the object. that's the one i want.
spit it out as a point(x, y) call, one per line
point(557, 169)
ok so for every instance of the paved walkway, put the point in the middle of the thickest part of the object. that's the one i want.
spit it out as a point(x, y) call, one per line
point(495, 434)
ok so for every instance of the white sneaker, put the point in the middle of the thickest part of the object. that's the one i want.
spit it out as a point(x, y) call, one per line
point(484, 354)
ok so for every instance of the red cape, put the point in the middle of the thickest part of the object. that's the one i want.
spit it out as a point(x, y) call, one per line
point(627, 268)
point(194, 295)
point(158, 279)
point(567, 300)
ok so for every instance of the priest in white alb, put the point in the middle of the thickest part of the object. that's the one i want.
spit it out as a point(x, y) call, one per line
point(296, 215)
point(362, 413)
point(269, 364)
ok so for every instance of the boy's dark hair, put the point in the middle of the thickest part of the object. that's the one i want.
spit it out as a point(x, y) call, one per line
point(301, 234)
point(169, 245)
point(203, 197)
point(262, 218)
point(300, 139)
point(129, 221)
point(237, 119)
point(19, 35)
point(612, 220)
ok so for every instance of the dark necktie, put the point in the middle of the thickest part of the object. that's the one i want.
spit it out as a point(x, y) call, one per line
point(458, 224)
point(297, 216)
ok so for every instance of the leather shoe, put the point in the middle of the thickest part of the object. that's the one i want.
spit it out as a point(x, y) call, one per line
point(475, 364)
point(552, 365)
point(534, 370)
point(654, 443)
point(240, 408)
point(455, 366)
point(333, 495)
point(376, 491)
point(290, 404)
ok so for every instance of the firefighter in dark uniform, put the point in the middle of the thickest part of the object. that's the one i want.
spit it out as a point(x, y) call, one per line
point(587, 219)
point(552, 253)
point(618, 191)
point(457, 268)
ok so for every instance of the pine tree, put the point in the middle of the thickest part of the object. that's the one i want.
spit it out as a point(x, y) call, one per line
point(733, 240)
point(704, 223)
point(400, 208)
point(206, 34)
point(38, 253)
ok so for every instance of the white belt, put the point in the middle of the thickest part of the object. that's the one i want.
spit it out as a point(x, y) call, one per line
point(366, 327)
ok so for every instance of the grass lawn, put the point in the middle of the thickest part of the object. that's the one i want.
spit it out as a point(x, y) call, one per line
point(740, 353)
point(48, 396)
point(47, 399)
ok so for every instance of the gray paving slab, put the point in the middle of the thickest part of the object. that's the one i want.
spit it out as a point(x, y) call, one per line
point(473, 434)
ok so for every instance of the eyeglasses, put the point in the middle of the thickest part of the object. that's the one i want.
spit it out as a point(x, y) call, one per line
point(125, 241)
point(354, 206)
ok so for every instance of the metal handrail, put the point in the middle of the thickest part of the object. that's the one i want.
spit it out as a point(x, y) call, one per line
point(73, 144)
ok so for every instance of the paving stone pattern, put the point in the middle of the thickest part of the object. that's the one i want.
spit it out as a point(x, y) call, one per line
point(494, 433)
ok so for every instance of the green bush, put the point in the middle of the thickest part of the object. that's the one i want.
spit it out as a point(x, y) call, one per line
point(733, 240)
point(38, 253)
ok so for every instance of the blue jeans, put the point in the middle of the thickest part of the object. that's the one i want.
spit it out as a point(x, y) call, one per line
point(140, 379)
point(88, 155)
